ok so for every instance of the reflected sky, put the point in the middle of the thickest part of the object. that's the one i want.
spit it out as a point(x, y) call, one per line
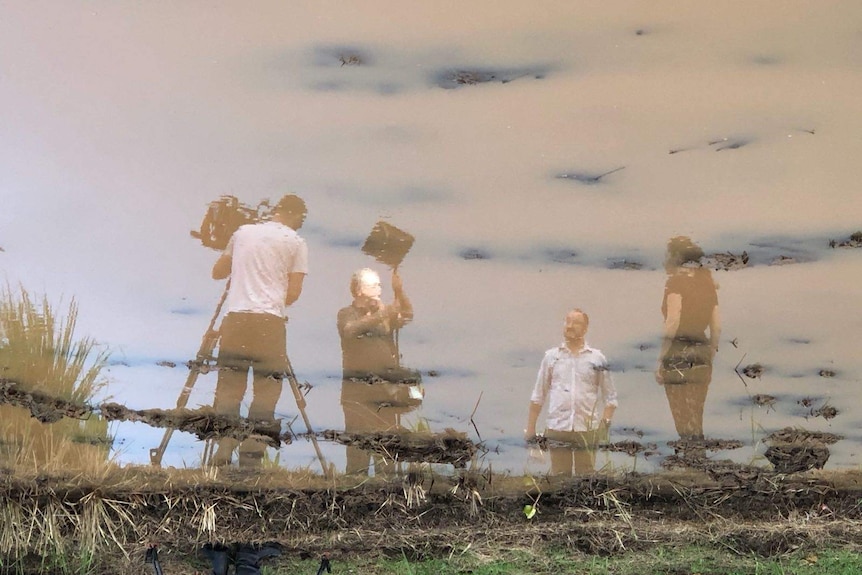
point(736, 124)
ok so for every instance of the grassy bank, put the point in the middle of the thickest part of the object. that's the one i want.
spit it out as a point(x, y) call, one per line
point(662, 559)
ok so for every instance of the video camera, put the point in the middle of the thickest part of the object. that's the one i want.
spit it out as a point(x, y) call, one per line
point(224, 216)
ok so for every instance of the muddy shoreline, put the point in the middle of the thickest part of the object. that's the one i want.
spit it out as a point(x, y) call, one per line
point(179, 510)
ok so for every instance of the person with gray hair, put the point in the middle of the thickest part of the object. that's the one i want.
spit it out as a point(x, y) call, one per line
point(375, 388)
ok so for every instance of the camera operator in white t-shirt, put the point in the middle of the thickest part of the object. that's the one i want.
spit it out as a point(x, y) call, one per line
point(266, 263)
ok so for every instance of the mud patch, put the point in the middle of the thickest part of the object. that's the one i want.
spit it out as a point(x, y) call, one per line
point(700, 445)
point(793, 458)
point(726, 261)
point(854, 241)
point(204, 423)
point(763, 399)
point(450, 446)
point(43, 407)
point(630, 447)
point(796, 435)
point(453, 78)
point(752, 371)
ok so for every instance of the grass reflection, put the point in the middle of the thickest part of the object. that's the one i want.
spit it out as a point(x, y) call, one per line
point(40, 354)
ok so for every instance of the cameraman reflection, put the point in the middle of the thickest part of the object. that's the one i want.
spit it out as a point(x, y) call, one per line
point(375, 388)
point(266, 263)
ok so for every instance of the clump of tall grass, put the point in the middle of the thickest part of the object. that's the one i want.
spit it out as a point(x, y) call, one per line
point(39, 351)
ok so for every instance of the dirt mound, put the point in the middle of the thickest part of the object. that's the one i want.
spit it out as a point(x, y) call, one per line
point(422, 447)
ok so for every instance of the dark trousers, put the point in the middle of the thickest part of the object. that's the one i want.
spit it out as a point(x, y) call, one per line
point(687, 372)
point(256, 342)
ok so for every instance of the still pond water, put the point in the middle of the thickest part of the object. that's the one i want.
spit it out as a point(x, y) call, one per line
point(541, 156)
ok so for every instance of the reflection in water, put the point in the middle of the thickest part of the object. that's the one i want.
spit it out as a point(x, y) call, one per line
point(690, 308)
point(40, 354)
point(376, 390)
point(575, 382)
point(266, 263)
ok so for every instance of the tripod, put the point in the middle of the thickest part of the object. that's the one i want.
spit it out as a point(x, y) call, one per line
point(203, 363)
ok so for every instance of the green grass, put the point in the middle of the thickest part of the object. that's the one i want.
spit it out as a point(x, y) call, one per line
point(660, 561)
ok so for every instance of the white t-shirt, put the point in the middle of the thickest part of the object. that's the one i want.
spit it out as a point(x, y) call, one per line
point(262, 255)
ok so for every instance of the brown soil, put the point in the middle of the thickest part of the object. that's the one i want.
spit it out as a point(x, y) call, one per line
point(451, 446)
point(117, 512)
point(421, 515)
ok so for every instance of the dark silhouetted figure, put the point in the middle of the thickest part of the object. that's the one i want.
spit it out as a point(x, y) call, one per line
point(691, 333)
point(245, 558)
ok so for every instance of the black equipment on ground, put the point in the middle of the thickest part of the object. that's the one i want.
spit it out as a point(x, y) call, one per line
point(152, 559)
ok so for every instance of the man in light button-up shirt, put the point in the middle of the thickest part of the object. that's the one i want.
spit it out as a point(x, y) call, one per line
point(575, 382)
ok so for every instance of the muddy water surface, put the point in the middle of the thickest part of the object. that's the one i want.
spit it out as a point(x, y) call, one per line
point(541, 157)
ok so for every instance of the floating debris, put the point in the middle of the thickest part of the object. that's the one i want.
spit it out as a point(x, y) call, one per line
point(587, 177)
point(166, 363)
point(422, 447)
point(825, 411)
point(632, 431)
point(763, 399)
point(798, 457)
point(474, 254)
point(753, 370)
point(458, 77)
point(797, 435)
point(730, 143)
point(338, 56)
point(630, 447)
point(806, 401)
point(783, 260)
point(826, 373)
point(854, 241)
point(700, 445)
point(725, 261)
point(624, 264)
point(350, 59)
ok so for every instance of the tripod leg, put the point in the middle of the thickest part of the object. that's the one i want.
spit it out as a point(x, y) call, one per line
point(208, 345)
point(300, 403)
